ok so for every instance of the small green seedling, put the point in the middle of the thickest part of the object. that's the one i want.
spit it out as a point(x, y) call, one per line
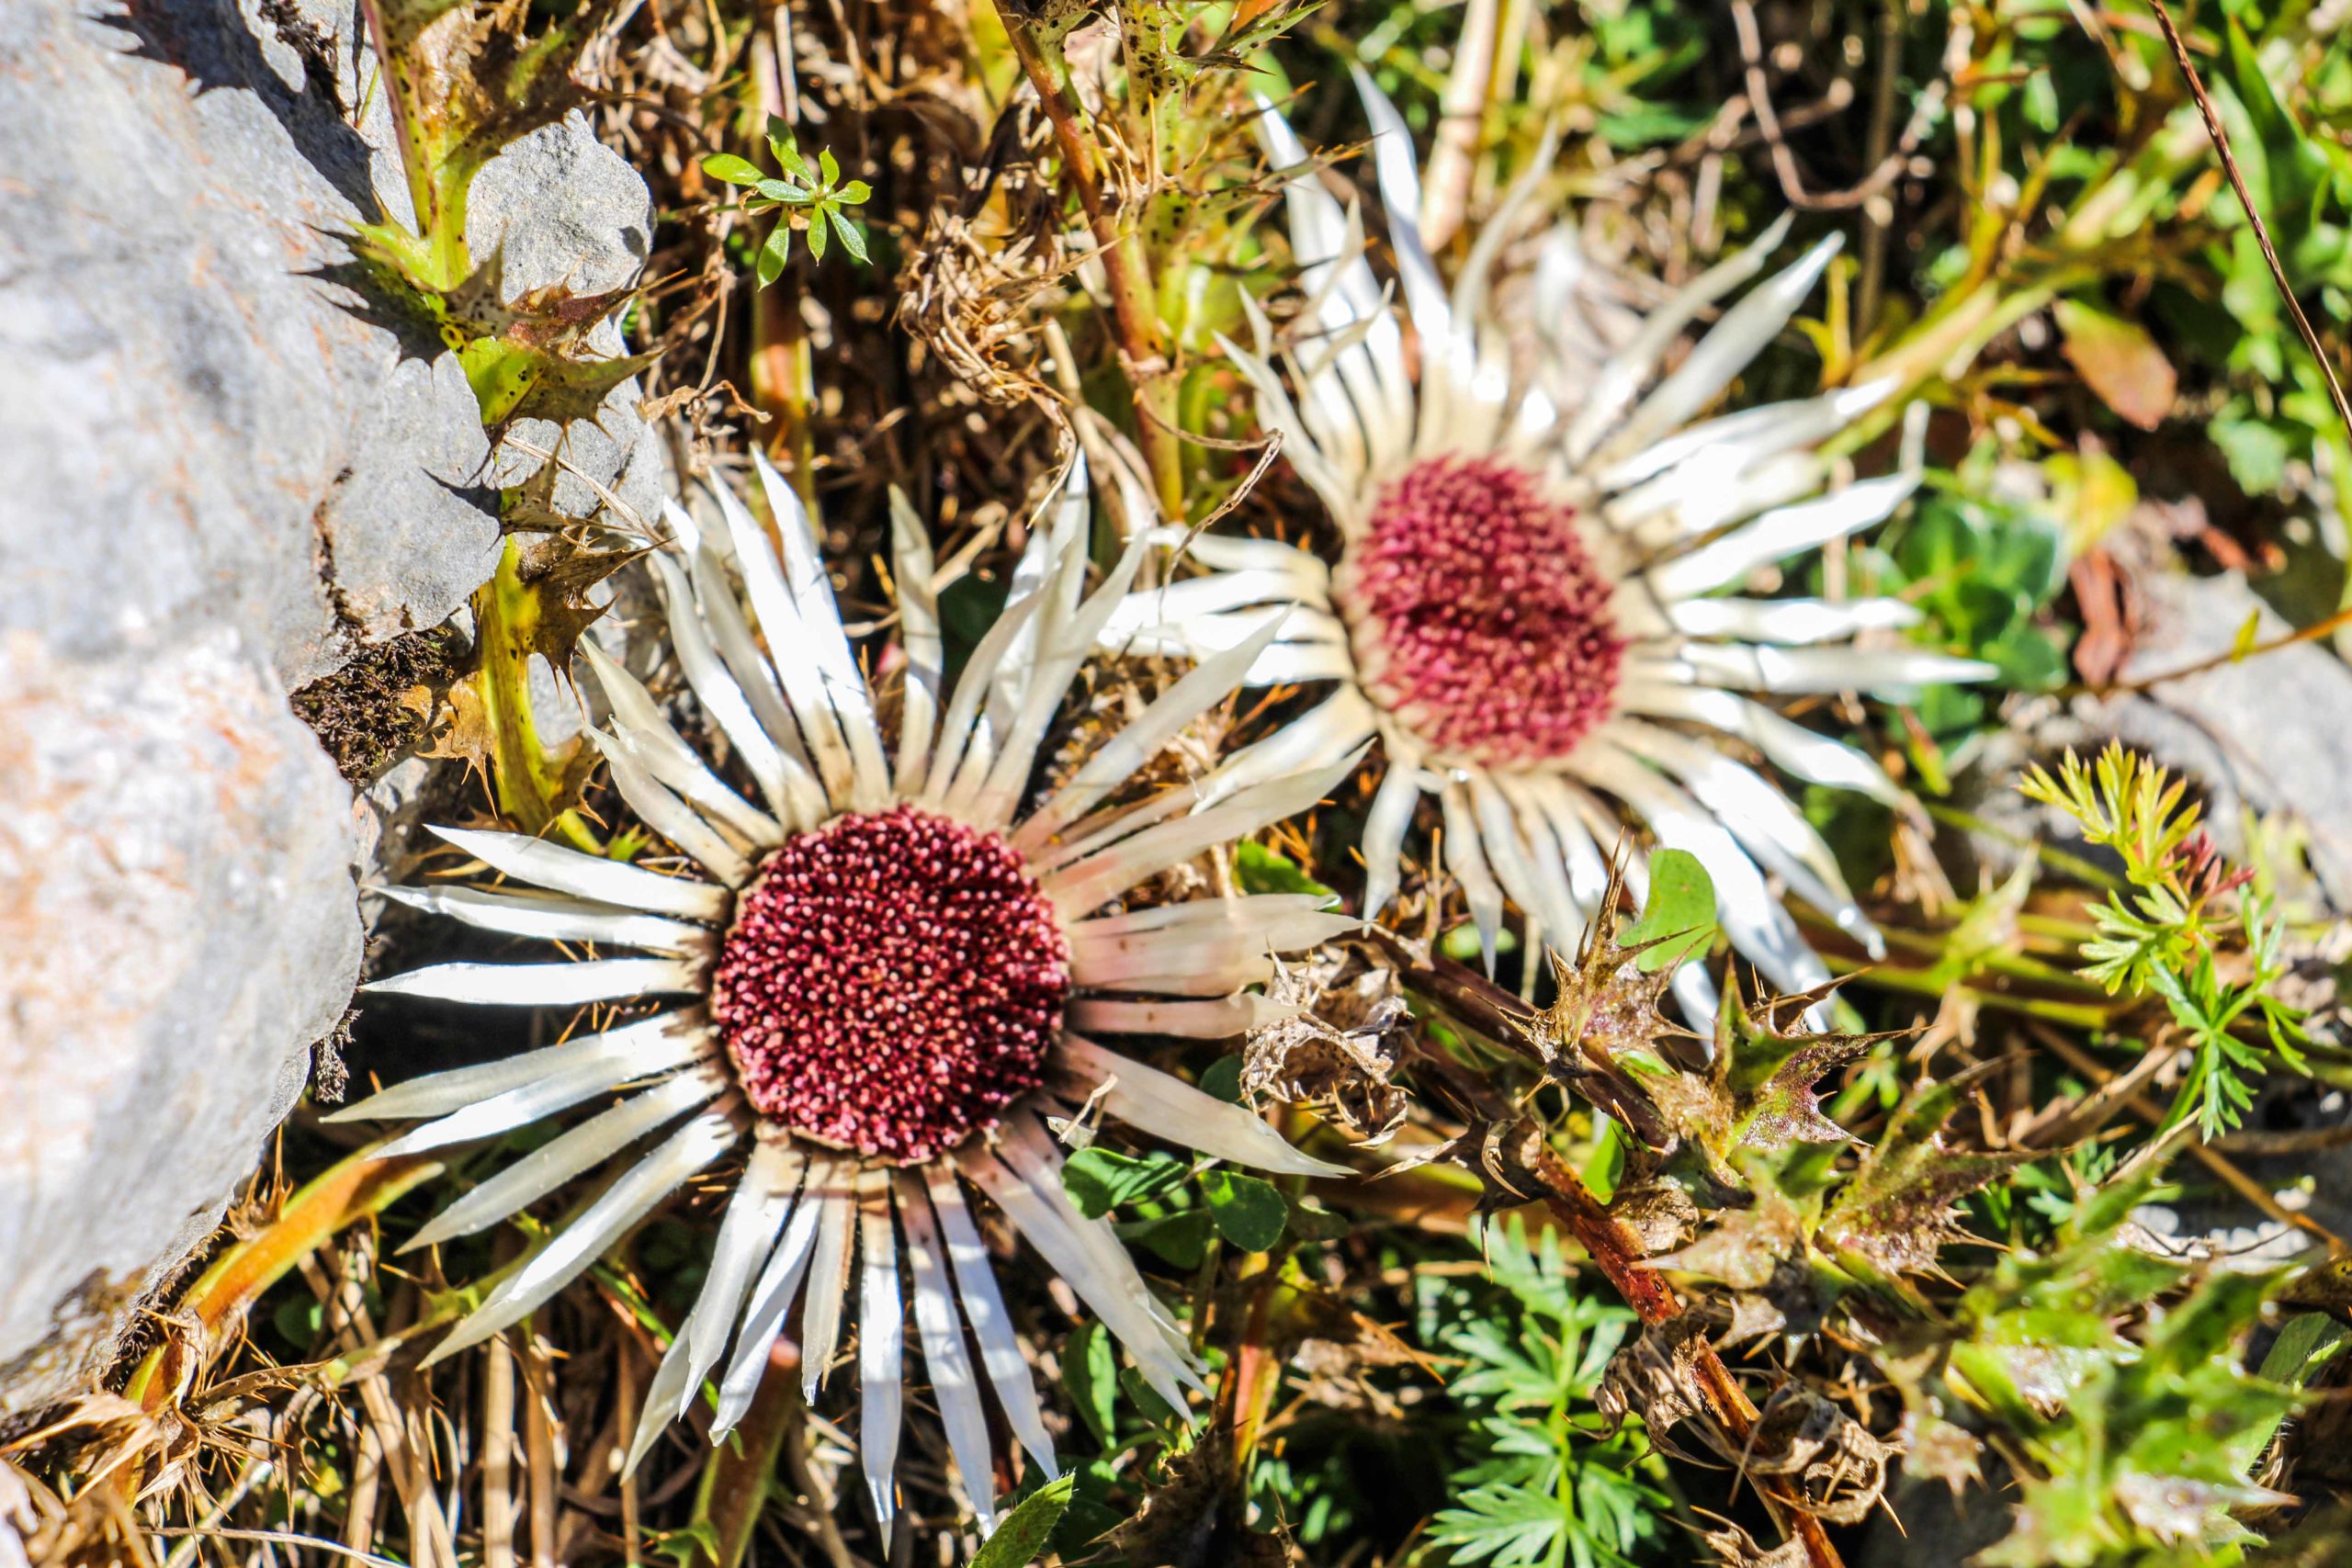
point(821, 194)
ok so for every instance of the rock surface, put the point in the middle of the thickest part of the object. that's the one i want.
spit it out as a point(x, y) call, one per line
point(164, 814)
point(224, 471)
point(560, 210)
point(2244, 731)
point(202, 424)
point(2241, 732)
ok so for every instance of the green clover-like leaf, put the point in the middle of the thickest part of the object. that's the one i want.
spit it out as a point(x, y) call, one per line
point(788, 155)
point(853, 237)
point(1249, 1214)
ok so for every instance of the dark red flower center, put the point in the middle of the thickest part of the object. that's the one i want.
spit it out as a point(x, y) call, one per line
point(891, 984)
point(1478, 615)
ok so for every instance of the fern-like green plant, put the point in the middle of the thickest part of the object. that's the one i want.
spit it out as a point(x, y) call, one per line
point(1547, 1484)
point(2166, 937)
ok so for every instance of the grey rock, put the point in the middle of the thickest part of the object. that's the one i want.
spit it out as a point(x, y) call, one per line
point(561, 209)
point(176, 926)
point(616, 449)
point(225, 466)
point(2264, 732)
point(382, 523)
point(186, 386)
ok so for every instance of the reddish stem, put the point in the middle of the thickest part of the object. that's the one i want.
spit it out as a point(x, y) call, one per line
point(1124, 264)
point(1607, 1240)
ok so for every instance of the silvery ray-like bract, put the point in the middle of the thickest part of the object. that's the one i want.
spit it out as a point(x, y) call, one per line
point(1524, 611)
point(885, 982)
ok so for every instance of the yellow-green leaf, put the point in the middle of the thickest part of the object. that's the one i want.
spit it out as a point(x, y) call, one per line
point(2119, 361)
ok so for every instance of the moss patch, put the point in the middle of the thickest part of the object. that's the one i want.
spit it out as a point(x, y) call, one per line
point(372, 711)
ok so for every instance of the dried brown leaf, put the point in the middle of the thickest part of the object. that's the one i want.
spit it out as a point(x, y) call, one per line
point(1937, 1450)
point(1340, 1058)
point(2119, 361)
point(1735, 1548)
point(1660, 1213)
point(1654, 1376)
point(1838, 1468)
point(1746, 1247)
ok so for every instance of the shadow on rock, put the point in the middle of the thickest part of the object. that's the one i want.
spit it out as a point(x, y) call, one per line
point(211, 43)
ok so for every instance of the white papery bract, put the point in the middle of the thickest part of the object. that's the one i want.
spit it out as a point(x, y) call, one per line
point(1525, 610)
point(878, 976)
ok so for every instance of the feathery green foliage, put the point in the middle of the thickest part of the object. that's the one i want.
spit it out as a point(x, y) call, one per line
point(1546, 1484)
point(2183, 914)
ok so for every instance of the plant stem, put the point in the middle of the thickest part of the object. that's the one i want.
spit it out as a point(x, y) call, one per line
point(740, 1474)
point(2220, 140)
point(1919, 982)
point(2088, 873)
point(1617, 1253)
point(360, 1186)
point(529, 778)
point(1123, 263)
point(2223, 1169)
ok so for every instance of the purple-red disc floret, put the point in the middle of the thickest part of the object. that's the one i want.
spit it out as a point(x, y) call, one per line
point(1479, 616)
point(892, 982)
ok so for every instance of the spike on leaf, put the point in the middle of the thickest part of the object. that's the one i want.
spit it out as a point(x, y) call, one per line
point(1605, 1028)
point(1897, 1210)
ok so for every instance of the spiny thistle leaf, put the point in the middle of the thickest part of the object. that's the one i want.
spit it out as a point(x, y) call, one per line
point(1604, 1030)
point(1762, 1093)
point(1735, 1548)
point(1746, 1245)
point(533, 384)
point(467, 79)
point(1897, 1210)
point(1772, 1071)
point(1607, 1005)
point(531, 358)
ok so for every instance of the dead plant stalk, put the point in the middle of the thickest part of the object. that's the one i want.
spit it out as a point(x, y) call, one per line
point(1124, 265)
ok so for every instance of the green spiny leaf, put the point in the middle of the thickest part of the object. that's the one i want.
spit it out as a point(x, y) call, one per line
point(1896, 1211)
point(1022, 1534)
